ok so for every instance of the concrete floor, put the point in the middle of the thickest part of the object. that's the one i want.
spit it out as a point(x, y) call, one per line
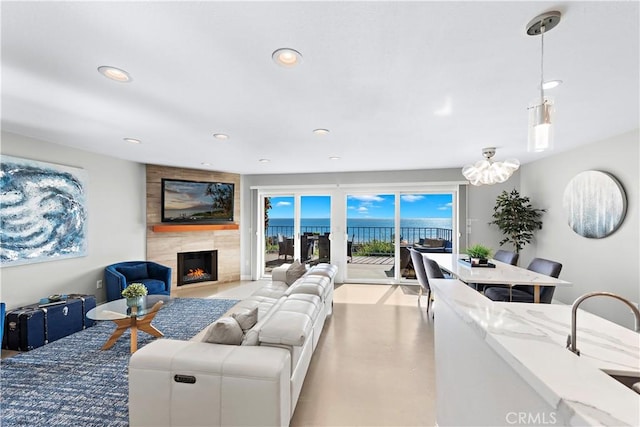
point(374, 365)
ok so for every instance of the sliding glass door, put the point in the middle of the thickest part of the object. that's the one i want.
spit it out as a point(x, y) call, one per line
point(315, 229)
point(381, 229)
point(279, 227)
point(367, 232)
point(371, 237)
point(296, 227)
point(426, 224)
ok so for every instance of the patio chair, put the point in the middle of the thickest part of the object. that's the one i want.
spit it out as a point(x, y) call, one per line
point(285, 246)
point(306, 247)
point(324, 247)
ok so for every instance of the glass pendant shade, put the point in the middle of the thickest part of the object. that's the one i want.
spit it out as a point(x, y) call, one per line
point(541, 118)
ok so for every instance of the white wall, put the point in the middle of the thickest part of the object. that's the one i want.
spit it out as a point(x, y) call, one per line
point(481, 201)
point(116, 224)
point(610, 264)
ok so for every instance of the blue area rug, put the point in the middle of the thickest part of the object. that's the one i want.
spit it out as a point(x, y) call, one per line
point(71, 382)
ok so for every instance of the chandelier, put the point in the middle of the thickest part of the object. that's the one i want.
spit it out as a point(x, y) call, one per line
point(541, 111)
point(489, 172)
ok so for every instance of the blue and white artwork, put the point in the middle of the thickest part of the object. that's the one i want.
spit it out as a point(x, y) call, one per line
point(43, 214)
point(595, 204)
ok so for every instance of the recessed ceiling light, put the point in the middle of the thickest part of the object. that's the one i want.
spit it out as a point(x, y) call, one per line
point(321, 131)
point(115, 74)
point(222, 136)
point(550, 84)
point(286, 57)
point(132, 140)
point(264, 160)
point(334, 158)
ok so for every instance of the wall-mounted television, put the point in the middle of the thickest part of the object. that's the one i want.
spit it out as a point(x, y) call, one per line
point(200, 202)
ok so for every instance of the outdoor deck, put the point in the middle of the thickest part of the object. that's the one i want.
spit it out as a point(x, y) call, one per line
point(378, 268)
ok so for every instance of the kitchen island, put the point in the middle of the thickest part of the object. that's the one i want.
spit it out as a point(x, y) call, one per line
point(506, 363)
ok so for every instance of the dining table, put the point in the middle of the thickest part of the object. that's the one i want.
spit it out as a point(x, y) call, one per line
point(500, 274)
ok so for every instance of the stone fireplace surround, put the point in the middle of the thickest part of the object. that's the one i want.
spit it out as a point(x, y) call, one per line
point(163, 246)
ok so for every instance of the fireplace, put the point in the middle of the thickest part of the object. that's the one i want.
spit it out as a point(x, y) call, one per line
point(200, 266)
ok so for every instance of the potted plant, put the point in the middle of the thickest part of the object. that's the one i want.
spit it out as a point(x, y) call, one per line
point(135, 293)
point(516, 218)
point(479, 254)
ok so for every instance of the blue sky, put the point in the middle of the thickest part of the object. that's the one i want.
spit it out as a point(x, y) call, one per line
point(368, 206)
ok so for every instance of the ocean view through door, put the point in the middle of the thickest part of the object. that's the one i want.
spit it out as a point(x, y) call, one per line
point(383, 227)
point(297, 227)
point(366, 232)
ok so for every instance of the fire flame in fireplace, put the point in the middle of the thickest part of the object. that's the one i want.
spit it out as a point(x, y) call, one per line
point(196, 274)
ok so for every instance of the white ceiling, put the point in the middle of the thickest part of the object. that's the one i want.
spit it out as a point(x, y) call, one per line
point(375, 73)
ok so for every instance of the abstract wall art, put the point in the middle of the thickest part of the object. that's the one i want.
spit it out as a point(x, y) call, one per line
point(595, 204)
point(43, 213)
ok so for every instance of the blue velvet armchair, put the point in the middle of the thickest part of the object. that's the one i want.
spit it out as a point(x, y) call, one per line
point(156, 277)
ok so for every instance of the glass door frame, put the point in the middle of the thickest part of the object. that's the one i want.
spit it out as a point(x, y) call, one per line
point(339, 236)
point(398, 190)
point(297, 195)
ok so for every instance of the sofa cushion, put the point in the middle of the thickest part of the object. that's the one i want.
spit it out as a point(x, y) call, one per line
point(279, 274)
point(306, 288)
point(246, 319)
point(286, 328)
point(251, 337)
point(327, 270)
point(273, 290)
point(225, 330)
point(294, 272)
point(134, 272)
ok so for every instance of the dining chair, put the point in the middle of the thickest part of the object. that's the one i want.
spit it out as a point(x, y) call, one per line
point(433, 272)
point(421, 275)
point(524, 293)
point(506, 257)
point(503, 256)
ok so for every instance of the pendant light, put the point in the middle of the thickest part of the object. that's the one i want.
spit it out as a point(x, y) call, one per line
point(489, 172)
point(541, 112)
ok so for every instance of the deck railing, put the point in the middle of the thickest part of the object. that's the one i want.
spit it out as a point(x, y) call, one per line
point(359, 235)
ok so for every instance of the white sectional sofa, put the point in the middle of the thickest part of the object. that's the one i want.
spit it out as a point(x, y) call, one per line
point(256, 383)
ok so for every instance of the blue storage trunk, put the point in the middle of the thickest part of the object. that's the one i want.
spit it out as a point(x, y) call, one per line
point(88, 302)
point(63, 319)
point(25, 328)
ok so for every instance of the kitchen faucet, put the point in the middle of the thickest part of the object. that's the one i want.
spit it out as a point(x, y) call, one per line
point(571, 339)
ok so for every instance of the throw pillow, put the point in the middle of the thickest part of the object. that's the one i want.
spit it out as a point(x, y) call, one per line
point(134, 272)
point(225, 330)
point(247, 319)
point(295, 271)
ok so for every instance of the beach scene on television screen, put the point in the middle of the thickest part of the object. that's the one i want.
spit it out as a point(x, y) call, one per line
point(198, 201)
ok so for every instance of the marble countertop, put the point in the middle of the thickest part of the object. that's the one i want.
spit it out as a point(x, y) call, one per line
point(502, 273)
point(532, 339)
